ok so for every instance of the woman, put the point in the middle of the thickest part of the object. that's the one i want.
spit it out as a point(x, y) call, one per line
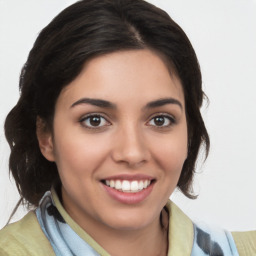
point(108, 124)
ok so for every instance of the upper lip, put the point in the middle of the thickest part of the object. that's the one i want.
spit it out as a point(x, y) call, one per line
point(129, 177)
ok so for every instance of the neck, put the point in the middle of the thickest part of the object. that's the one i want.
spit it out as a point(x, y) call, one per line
point(151, 241)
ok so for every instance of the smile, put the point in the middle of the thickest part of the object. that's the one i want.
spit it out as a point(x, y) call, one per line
point(127, 186)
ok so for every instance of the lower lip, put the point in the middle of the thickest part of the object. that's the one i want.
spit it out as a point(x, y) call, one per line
point(129, 198)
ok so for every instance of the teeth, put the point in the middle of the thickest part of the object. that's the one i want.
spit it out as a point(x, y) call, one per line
point(112, 184)
point(134, 186)
point(118, 185)
point(141, 185)
point(128, 186)
point(145, 183)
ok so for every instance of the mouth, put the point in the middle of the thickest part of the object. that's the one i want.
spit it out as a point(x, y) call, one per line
point(129, 189)
point(128, 186)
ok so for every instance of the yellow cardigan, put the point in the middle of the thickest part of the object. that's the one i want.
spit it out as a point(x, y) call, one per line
point(25, 237)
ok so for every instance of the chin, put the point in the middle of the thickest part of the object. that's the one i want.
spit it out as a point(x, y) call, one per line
point(132, 221)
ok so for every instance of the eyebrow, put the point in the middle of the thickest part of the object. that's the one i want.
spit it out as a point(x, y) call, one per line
point(106, 104)
point(162, 102)
point(94, 102)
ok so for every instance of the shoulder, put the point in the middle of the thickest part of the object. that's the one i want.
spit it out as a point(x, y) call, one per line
point(202, 239)
point(24, 237)
point(245, 242)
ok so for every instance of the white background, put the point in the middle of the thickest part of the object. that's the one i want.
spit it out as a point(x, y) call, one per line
point(223, 33)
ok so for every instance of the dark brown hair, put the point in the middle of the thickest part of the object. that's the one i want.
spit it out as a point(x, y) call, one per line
point(84, 30)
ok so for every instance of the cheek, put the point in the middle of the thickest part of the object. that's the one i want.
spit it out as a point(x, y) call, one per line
point(79, 155)
point(172, 160)
point(172, 152)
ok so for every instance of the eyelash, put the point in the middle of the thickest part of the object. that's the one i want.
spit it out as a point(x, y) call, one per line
point(89, 118)
point(170, 119)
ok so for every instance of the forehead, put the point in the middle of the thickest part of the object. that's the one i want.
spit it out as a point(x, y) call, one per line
point(125, 75)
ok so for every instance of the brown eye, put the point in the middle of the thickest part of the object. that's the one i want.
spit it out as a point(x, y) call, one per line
point(94, 121)
point(161, 121)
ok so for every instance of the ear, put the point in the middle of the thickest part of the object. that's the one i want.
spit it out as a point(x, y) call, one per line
point(45, 140)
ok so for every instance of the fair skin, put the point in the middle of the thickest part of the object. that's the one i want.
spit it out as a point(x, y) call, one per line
point(121, 121)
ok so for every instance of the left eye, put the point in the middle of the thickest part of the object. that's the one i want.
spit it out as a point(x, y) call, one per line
point(161, 121)
point(94, 121)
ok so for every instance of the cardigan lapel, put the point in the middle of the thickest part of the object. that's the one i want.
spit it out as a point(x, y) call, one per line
point(181, 232)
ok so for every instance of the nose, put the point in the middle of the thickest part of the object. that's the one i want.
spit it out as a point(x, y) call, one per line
point(130, 147)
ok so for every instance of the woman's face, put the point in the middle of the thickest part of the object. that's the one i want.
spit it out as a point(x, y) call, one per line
point(119, 141)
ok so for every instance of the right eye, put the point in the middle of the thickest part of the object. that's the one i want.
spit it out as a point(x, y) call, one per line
point(94, 121)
